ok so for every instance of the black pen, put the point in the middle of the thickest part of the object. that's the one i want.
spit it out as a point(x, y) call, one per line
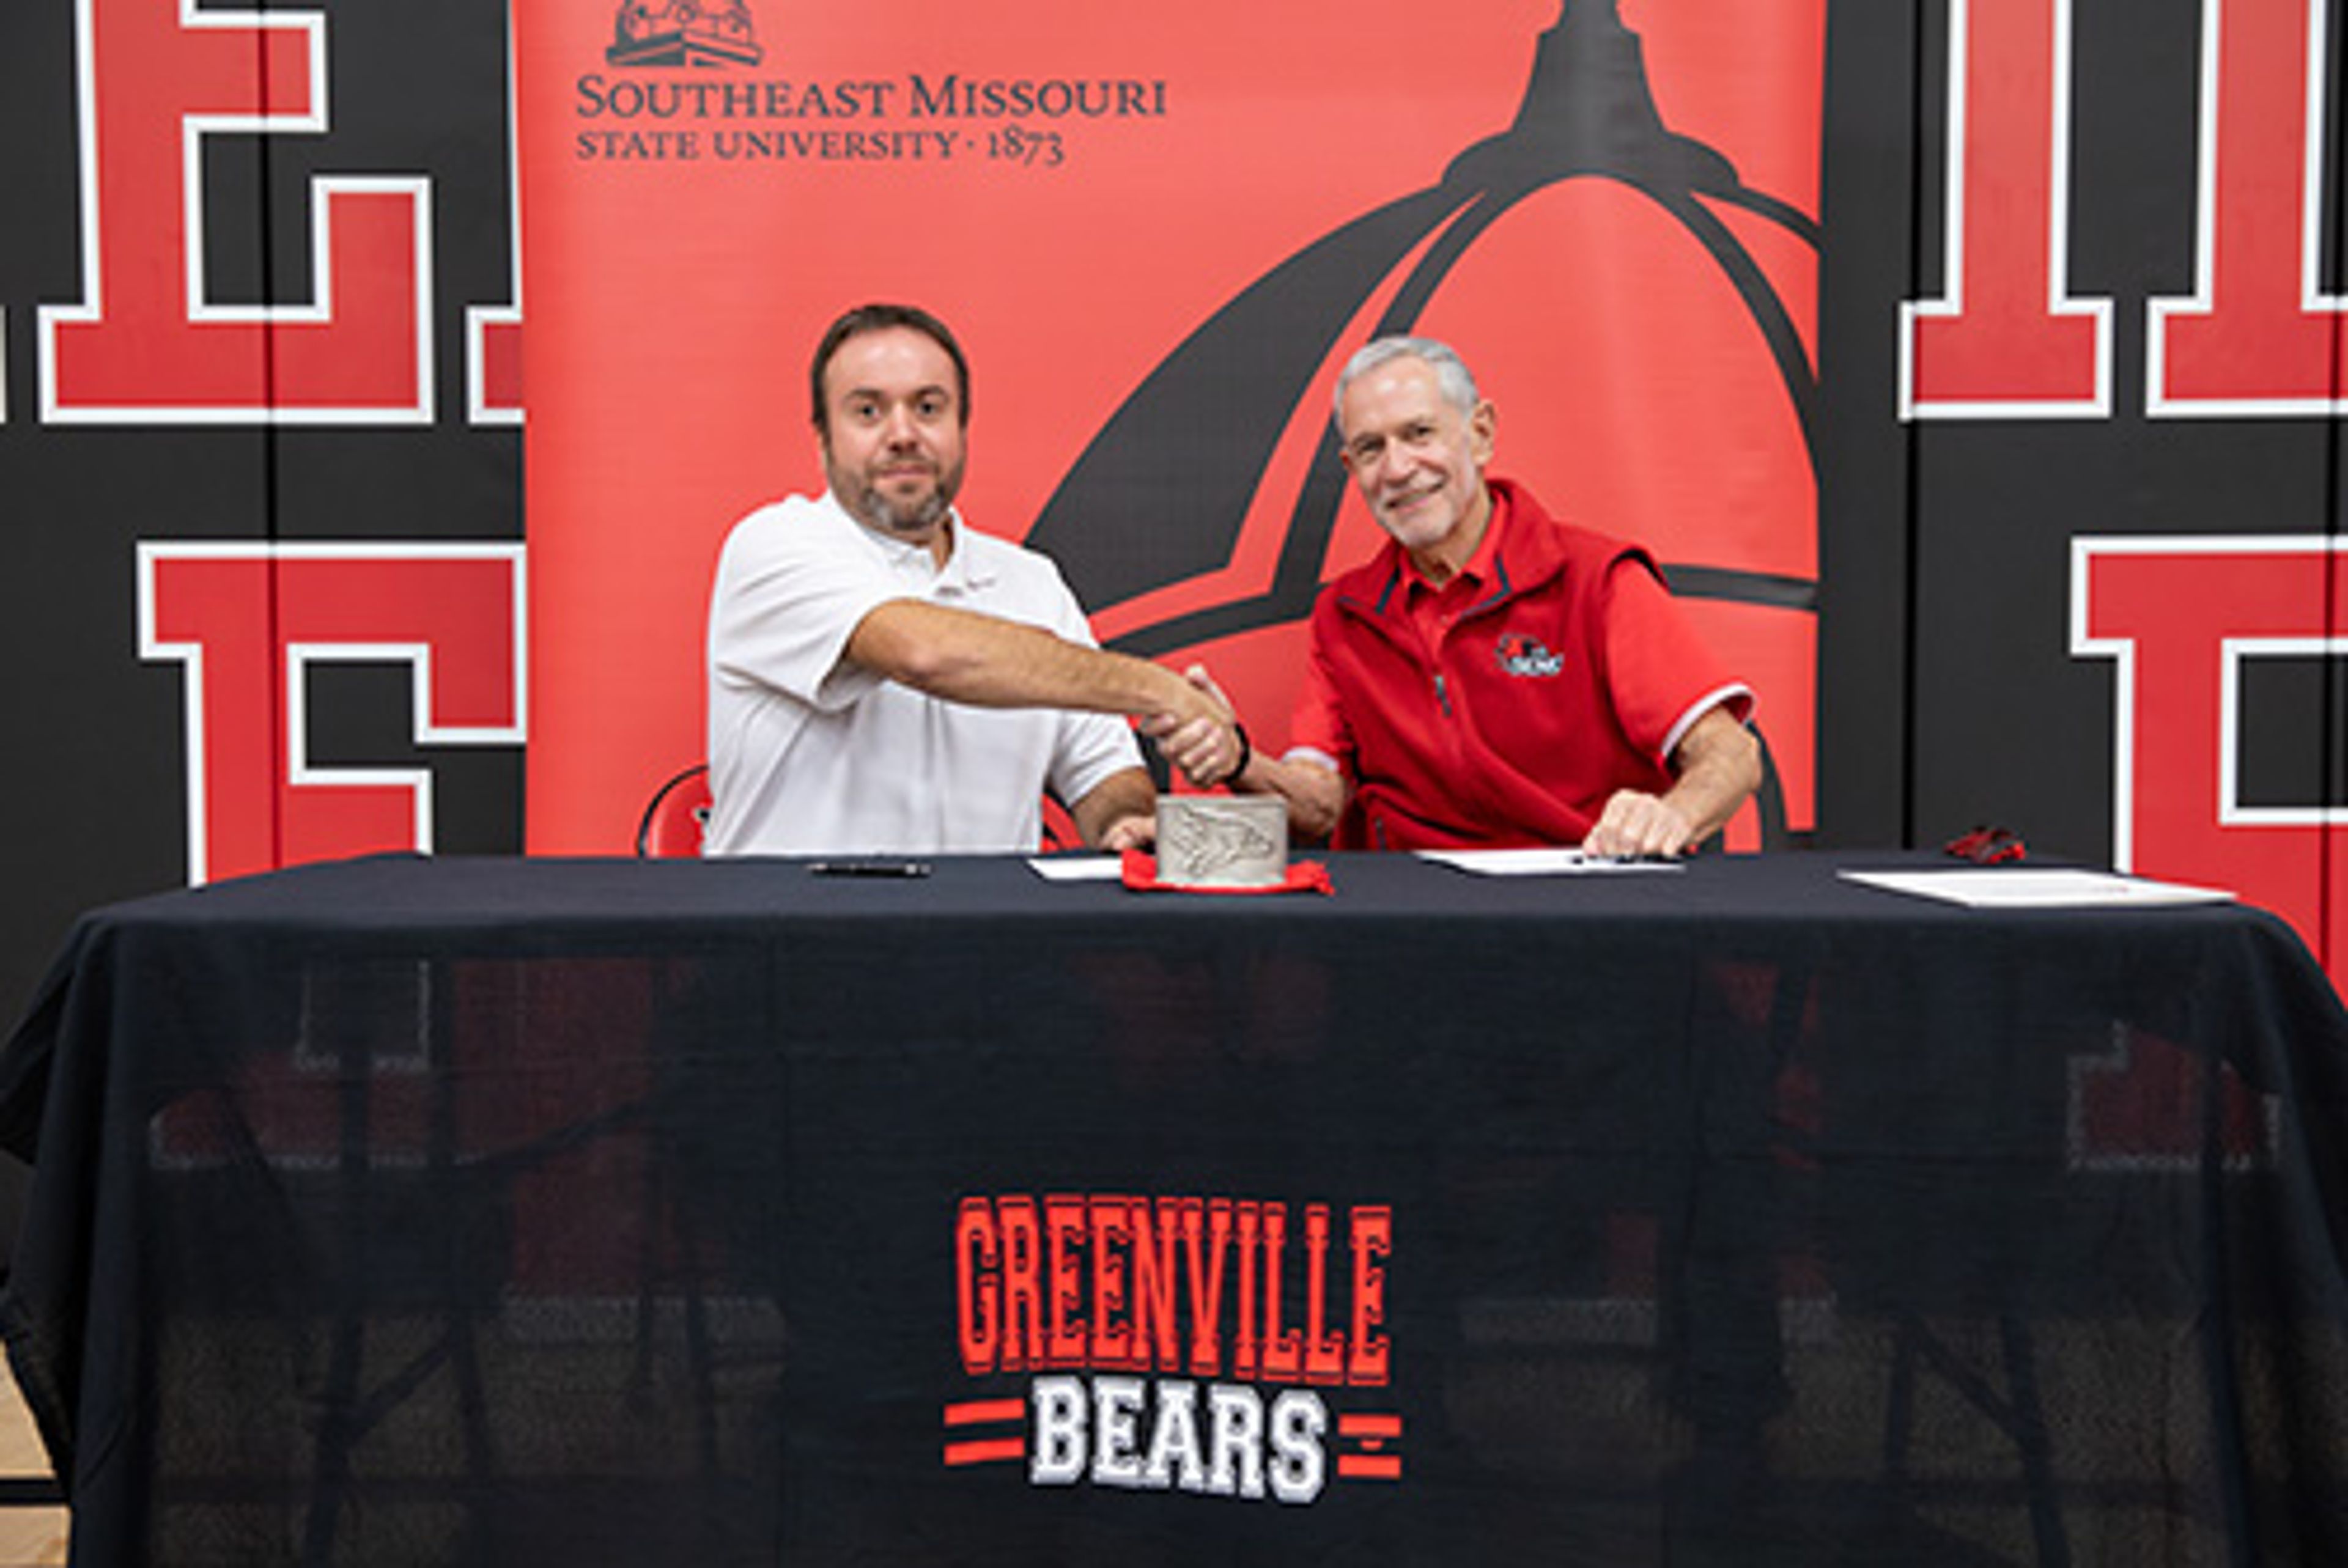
point(868, 868)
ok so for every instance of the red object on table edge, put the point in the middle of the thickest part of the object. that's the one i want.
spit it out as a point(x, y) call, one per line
point(1138, 868)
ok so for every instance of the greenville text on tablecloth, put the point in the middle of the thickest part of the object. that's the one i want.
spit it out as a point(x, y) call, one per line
point(1203, 1345)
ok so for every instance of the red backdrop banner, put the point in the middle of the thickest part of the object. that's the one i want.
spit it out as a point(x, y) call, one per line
point(1158, 231)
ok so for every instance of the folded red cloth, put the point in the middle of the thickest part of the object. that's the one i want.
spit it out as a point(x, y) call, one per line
point(1139, 870)
point(1987, 846)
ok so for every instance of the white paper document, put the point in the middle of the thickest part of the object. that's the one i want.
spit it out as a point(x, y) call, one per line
point(1077, 867)
point(1538, 862)
point(2037, 887)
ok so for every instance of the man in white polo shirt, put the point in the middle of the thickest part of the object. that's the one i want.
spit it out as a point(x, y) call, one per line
point(885, 679)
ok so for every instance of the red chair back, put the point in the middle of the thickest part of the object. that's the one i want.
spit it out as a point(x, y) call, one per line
point(676, 817)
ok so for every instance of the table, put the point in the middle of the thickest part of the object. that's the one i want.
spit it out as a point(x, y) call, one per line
point(459, 1211)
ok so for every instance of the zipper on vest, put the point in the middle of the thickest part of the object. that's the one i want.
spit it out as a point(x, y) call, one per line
point(1442, 694)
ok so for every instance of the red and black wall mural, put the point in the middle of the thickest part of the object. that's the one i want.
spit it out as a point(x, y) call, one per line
point(1975, 367)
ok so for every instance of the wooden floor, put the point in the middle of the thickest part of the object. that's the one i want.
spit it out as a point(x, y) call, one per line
point(29, 1537)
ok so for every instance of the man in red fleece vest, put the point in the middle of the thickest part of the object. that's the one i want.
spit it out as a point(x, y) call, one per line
point(1494, 676)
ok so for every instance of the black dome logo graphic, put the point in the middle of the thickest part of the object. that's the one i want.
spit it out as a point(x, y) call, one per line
point(1180, 463)
point(684, 33)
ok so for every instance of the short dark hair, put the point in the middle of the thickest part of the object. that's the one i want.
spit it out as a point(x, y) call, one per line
point(880, 317)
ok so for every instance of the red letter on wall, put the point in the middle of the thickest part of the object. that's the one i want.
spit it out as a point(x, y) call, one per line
point(145, 345)
point(2004, 341)
point(248, 622)
point(2258, 336)
point(2182, 617)
point(493, 332)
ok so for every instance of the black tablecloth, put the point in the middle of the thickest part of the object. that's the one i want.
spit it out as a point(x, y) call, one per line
point(409, 1211)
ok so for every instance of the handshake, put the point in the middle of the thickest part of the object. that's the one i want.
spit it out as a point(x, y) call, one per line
point(1198, 731)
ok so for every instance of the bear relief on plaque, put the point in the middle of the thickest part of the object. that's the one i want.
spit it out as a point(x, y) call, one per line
point(1222, 841)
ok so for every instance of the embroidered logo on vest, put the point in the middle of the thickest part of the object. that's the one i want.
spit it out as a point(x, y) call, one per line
point(1521, 655)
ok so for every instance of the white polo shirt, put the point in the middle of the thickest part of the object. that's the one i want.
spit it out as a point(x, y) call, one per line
point(811, 756)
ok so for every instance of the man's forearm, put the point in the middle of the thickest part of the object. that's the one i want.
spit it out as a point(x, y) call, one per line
point(1719, 766)
point(1129, 797)
point(1315, 793)
point(990, 662)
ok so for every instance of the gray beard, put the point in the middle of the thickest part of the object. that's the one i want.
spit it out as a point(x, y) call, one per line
point(877, 511)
